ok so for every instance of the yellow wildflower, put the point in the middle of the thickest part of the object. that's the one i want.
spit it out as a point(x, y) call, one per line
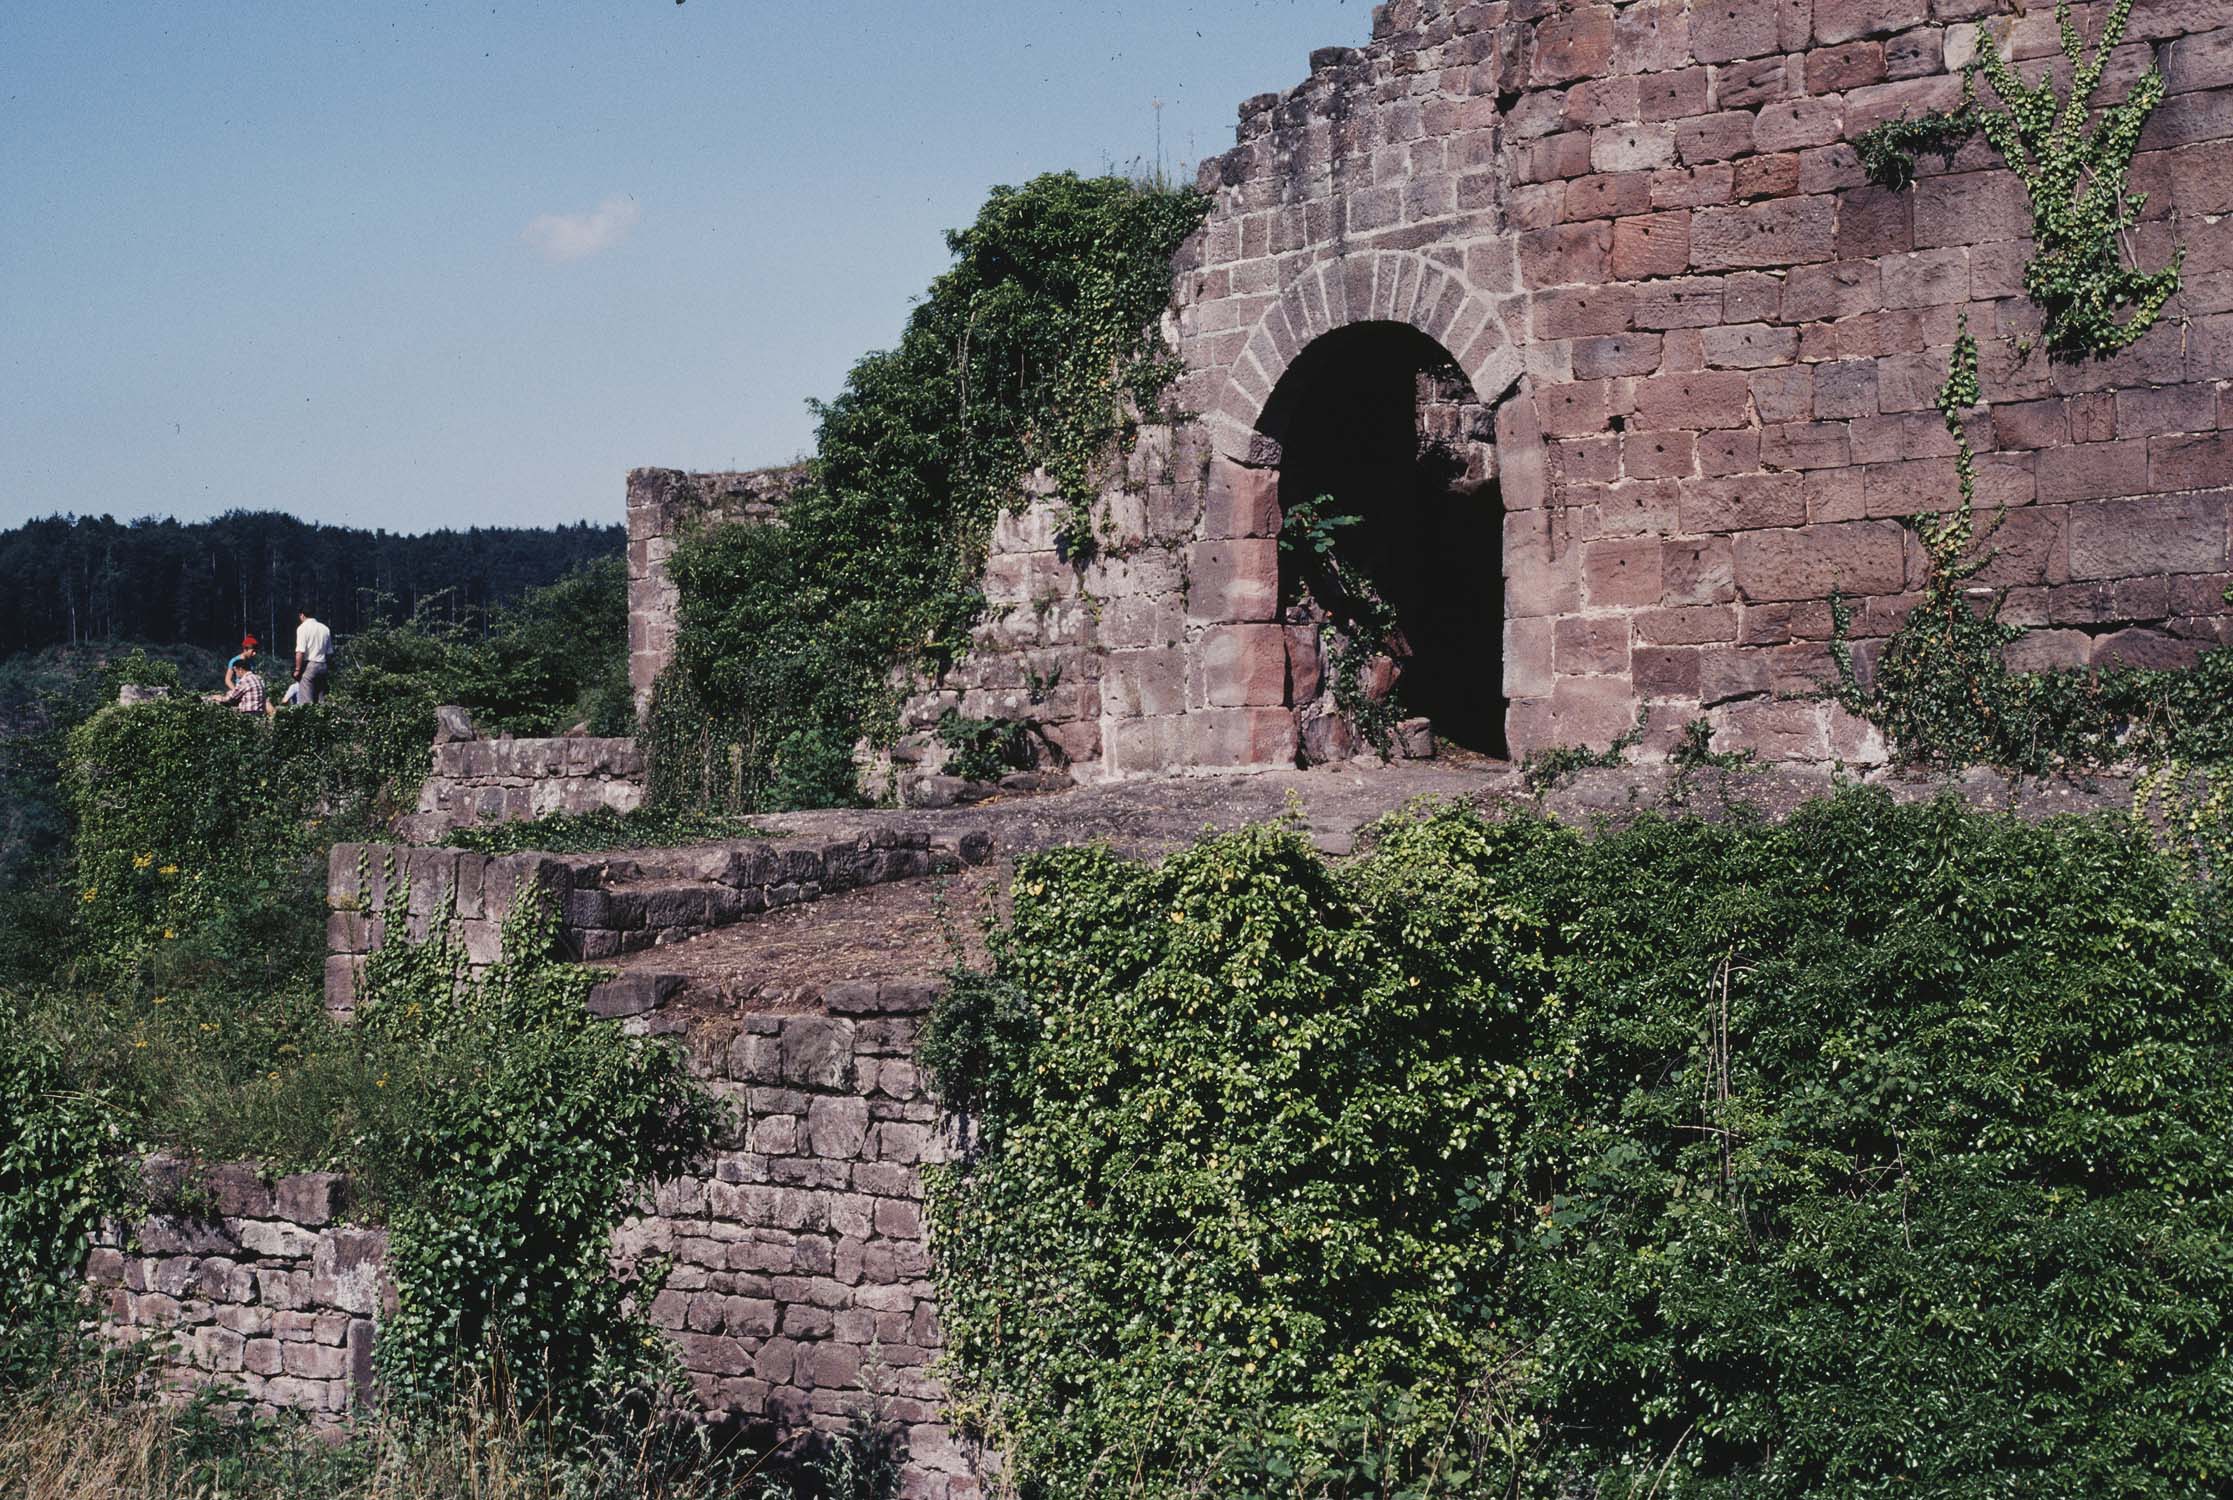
point(142, 861)
point(168, 870)
point(162, 999)
point(169, 932)
point(89, 893)
point(139, 1041)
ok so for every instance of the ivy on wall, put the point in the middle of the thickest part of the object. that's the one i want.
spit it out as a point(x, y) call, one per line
point(1035, 350)
point(2074, 157)
point(1942, 691)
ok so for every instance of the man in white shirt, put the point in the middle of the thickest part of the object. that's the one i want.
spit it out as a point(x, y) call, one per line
point(313, 649)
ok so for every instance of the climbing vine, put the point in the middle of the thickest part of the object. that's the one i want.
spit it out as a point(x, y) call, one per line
point(1942, 691)
point(1036, 350)
point(532, 1128)
point(2075, 161)
point(1361, 625)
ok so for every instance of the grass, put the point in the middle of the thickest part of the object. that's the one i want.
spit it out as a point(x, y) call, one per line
point(99, 1430)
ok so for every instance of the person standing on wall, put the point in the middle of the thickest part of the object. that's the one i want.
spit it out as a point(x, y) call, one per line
point(313, 650)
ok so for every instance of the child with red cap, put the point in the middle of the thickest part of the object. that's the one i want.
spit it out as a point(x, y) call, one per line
point(246, 660)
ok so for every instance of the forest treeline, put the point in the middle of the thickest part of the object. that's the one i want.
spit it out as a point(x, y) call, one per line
point(74, 580)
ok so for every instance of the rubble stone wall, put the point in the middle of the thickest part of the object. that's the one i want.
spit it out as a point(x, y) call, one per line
point(801, 1291)
point(247, 1282)
point(663, 504)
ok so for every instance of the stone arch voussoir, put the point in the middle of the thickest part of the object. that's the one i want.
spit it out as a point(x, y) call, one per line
point(1367, 286)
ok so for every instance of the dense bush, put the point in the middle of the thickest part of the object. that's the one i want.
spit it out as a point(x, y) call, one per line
point(1028, 352)
point(58, 1148)
point(1884, 1152)
point(529, 1133)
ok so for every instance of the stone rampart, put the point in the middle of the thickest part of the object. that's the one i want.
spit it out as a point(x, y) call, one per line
point(247, 1282)
point(663, 504)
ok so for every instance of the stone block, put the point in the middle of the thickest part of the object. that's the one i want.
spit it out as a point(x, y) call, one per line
point(1651, 245)
point(1857, 557)
point(1243, 666)
point(1696, 400)
point(836, 1128)
point(1239, 501)
point(2161, 534)
point(1591, 644)
point(1236, 738)
point(817, 1052)
point(1783, 232)
point(1233, 581)
point(1623, 572)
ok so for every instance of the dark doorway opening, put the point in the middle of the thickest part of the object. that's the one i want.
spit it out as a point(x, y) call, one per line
point(1380, 420)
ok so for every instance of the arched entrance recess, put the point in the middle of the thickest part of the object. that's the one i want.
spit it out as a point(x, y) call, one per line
point(1381, 436)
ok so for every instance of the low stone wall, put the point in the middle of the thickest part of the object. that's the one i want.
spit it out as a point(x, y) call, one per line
point(801, 1290)
point(246, 1282)
point(607, 904)
point(476, 780)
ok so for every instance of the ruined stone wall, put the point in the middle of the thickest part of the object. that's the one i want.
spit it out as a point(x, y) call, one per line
point(662, 505)
point(607, 904)
point(476, 781)
point(1644, 221)
point(1712, 350)
point(801, 1293)
point(246, 1282)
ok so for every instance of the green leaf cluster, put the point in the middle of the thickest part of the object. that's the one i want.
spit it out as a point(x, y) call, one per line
point(1035, 349)
point(1883, 1152)
point(528, 1132)
point(2075, 161)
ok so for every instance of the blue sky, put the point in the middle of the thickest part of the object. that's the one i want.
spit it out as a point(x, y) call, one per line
point(456, 263)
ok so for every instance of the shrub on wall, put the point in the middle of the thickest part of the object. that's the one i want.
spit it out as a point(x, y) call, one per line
point(1884, 1152)
point(523, 1134)
point(1030, 351)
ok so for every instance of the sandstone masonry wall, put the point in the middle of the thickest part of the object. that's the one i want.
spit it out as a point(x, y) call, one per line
point(249, 1283)
point(476, 781)
point(662, 505)
point(801, 1292)
point(1645, 223)
point(1712, 348)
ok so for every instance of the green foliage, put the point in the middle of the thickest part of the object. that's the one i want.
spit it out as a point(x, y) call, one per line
point(1033, 350)
point(1887, 151)
point(1544, 769)
point(1883, 1152)
point(980, 749)
point(1695, 751)
point(1943, 692)
point(531, 1132)
point(593, 832)
point(58, 1145)
point(1363, 623)
point(196, 827)
point(2075, 161)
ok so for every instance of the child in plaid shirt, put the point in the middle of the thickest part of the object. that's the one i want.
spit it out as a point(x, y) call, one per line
point(246, 693)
